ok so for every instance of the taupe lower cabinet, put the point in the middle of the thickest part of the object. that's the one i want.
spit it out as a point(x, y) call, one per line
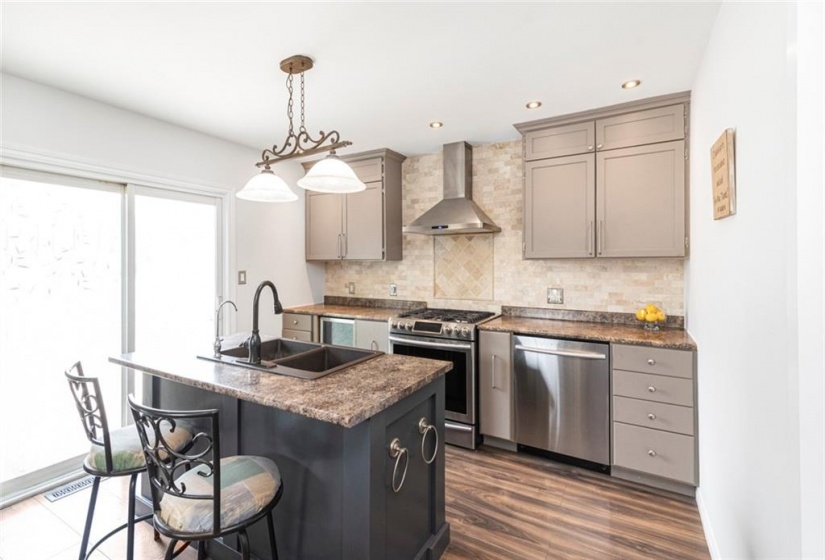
point(610, 187)
point(359, 226)
point(496, 384)
point(372, 335)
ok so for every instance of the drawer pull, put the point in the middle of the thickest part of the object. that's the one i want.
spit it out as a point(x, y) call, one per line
point(652, 389)
point(651, 452)
point(651, 362)
point(397, 452)
point(424, 428)
point(651, 416)
point(295, 321)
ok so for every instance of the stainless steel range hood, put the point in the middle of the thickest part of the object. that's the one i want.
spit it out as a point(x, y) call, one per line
point(456, 213)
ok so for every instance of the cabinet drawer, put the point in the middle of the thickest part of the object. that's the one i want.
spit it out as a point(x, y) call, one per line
point(662, 361)
point(648, 414)
point(657, 388)
point(304, 336)
point(560, 141)
point(655, 452)
point(368, 170)
point(642, 127)
point(297, 322)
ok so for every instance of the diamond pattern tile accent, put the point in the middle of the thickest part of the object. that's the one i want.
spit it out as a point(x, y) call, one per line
point(463, 266)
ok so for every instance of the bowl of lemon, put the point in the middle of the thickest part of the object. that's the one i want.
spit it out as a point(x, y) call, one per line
point(651, 316)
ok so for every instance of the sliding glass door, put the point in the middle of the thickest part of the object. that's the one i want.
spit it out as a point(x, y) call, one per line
point(88, 270)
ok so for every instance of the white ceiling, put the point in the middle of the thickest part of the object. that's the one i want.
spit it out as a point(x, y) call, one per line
point(383, 70)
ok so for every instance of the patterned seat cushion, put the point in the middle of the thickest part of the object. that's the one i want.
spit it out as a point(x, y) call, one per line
point(248, 485)
point(127, 452)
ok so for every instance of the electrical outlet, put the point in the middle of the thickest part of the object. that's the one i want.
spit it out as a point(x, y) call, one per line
point(241, 277)
point(393, 289)
point(351, 288)
point(555, 295)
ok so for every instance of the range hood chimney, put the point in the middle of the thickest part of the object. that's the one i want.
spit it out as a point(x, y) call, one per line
point(456, 213)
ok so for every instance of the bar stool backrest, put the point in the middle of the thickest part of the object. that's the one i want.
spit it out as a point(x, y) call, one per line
point(165, 465)
point(89, 402)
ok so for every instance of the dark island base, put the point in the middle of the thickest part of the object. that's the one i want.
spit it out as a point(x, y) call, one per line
point(338, 500)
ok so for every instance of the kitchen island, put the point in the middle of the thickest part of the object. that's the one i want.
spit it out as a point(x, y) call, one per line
point(331, 440)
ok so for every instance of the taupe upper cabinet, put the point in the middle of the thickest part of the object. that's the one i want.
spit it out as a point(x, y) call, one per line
point(560, 207)
point(358, 226)
point(607, 183)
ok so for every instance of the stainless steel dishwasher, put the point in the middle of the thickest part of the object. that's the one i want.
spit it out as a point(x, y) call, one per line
point(563, 397)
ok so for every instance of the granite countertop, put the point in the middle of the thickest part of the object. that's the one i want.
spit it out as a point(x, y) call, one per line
point(677, 339)
point(346, 311)
point(347, 397)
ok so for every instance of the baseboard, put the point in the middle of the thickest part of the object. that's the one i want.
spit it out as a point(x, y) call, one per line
point(704, 516)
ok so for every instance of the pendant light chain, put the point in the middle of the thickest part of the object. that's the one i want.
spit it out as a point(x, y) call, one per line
point(289, 104)
point(303, 128)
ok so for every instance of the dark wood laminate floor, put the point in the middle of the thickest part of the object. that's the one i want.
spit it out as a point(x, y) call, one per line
point(500, 505)
point(503, 505)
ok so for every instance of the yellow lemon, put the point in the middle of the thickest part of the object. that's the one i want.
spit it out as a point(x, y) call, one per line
point(650, 308)
point(640, 315)
point(660, 316)
point(651, 317)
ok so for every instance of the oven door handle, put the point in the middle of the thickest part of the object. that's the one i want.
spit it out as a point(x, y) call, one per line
point(445, 346)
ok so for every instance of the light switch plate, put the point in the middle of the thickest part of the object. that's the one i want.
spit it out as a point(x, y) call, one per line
point(241, 277)
point(393, 289)
point(351, 288)
point(555, 295)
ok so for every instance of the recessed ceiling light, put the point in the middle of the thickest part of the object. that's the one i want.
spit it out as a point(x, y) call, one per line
point(534, 105)
point(436, 124)
point(630, 84)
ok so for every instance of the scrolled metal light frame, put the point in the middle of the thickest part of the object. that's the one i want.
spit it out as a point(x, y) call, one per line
point(301, 144)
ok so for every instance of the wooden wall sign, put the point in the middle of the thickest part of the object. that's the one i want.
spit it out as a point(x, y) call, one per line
point(723, 176)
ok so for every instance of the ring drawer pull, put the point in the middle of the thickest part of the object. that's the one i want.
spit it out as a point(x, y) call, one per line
point(396, 452)
point(424, 429)
point(651, 452)
point(651, 416)
point(652, 389)
point(651, 362)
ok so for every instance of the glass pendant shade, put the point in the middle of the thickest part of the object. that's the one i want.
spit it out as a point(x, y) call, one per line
point(331, 175)
point(267, 187)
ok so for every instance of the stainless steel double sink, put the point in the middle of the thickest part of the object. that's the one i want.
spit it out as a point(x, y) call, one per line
point(306, 360)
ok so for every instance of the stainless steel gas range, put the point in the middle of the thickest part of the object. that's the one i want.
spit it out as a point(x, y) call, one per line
point(450, 335)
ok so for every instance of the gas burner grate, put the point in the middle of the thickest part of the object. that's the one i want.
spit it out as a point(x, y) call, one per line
point(449, 315)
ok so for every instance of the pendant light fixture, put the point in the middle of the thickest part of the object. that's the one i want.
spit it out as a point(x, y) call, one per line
point(330, 175)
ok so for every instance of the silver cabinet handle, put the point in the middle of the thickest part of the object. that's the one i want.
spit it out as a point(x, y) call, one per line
point(373, 345)
point(339, 246)
point(295, 321)
point(651, 452)
point(590, 238)
point(590, 147)
point(424, 428)
point(344, 251)
point(601, 236)
point(396, 452)
point(652, 389)
point(651, 362)
point(651, 416)
point(493, 371)
point(599, 146)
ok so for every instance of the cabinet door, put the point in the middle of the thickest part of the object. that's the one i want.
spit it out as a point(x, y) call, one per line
point(364, 224)
point(559, 207)
point(642, 127)
point(324, 231)
point(496, 381)
point(372, 335)
point(560, 141)
point(640, 201)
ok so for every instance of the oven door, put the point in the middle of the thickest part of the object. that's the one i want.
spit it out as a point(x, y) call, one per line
point(460, 402)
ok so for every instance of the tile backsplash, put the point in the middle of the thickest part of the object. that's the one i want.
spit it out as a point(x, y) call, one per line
point(486, 271)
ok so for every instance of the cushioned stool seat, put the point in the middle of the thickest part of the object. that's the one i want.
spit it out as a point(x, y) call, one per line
point(127, 452)
point(248, 484)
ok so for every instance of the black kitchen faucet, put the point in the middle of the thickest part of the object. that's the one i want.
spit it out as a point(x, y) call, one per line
point(254, 341)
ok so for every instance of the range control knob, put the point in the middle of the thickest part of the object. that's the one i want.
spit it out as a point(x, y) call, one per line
point(448, 329)
point(465, 332)
point(408, 326)
point(393, 324)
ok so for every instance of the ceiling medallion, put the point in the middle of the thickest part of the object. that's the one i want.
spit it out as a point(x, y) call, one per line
point(333, 175)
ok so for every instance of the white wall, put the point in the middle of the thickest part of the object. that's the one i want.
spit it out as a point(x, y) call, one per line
point(266, 240)
point(745, 284)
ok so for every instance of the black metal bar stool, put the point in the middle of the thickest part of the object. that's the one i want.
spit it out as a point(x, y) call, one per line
point(116, 453)
point(197, 495)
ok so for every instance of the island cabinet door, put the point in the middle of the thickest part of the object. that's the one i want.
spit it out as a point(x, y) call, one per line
point(410, 496)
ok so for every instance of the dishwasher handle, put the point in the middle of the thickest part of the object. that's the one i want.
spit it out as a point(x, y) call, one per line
point(563, 353)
